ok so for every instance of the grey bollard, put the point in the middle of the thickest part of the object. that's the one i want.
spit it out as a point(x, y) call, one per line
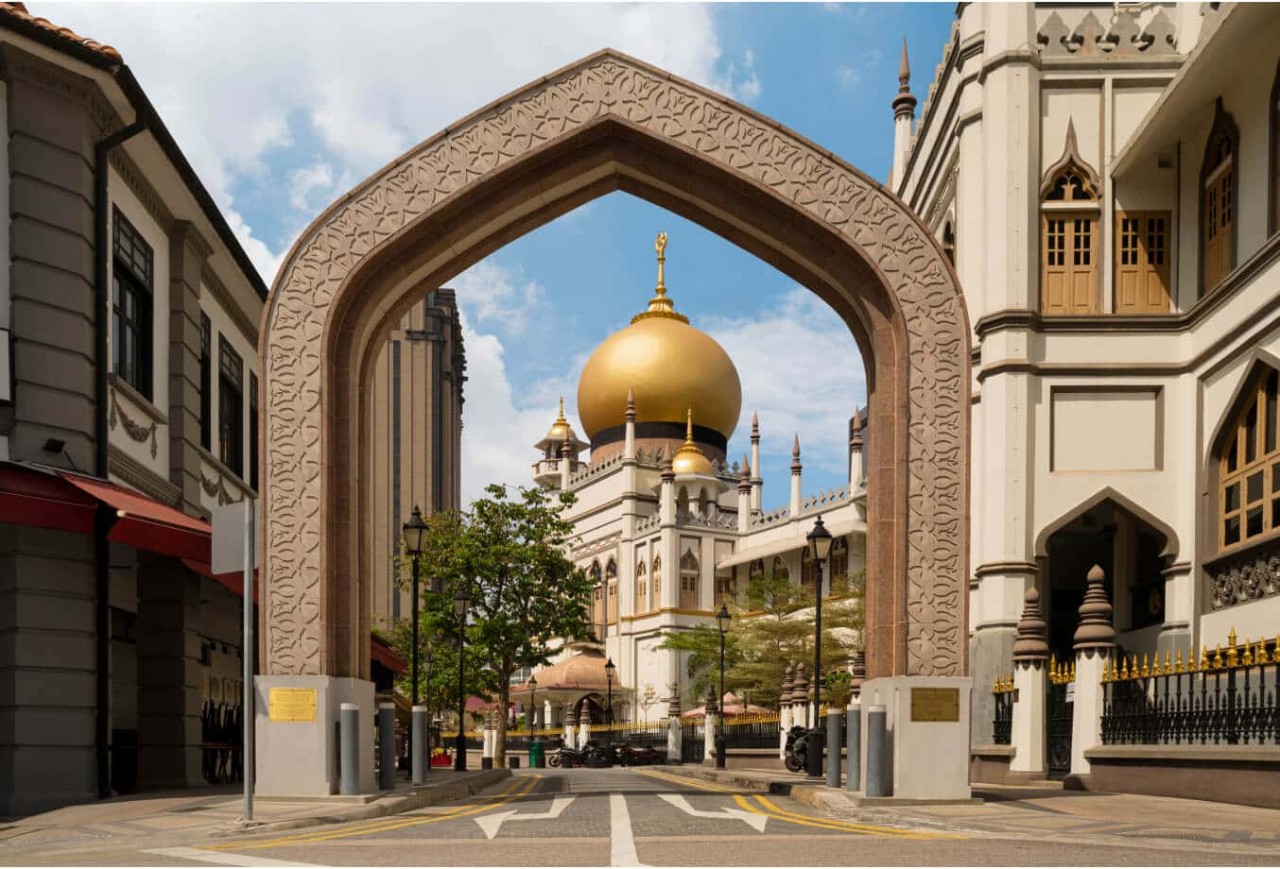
point(387, 746)
point(833, 748)
point(421, 748)
point(876, 739)
point(349, 750)
point(853, 746)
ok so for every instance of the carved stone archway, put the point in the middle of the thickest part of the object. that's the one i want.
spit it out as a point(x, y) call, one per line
point(611, 123)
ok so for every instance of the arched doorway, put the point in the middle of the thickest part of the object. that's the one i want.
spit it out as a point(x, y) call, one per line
point(611, 123)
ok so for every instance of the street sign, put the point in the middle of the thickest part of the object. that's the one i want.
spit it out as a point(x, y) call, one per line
point(228, 538)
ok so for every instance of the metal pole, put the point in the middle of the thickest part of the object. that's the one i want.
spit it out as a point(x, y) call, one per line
point(460, 758)
point(349, 749)
point(853, 745)
point(413, 736)
point(387, 746)
point(875, 786)
point(247, 656)
point(720, 739)
point(418, 747)
point(814, 749)
point(833, 746)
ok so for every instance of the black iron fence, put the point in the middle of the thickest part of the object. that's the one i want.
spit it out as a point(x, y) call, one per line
point(1002, 720)
point(221, 735)
point(692, 742)
point(761, 732)
point(1228, 697)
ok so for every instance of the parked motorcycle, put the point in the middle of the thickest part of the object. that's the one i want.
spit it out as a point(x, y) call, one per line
point(568, 758)
point(796, 754)
point(599, 756)
point(640, 755)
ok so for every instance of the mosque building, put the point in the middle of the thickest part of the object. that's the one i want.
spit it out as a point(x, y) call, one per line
point(667, 526)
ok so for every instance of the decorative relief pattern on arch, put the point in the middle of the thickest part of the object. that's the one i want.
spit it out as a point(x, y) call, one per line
point(718, 132)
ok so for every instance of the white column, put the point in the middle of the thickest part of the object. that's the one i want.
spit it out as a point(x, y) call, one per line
point(629, 446)
point(744, 498)
point(757, 482)
point(795, 477)
point(1094, 646)
point(1028, 717)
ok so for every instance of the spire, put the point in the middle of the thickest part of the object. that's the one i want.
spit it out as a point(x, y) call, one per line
point(560, 420)
point(660, 305)
point(744, 476)
point(1094, 630)
point(904, 103)
point(631, 404)
point(688, 428)
point(1030, 646)
point(755, 427)
point(904, 69)
point(855, 436)
point(795, 455)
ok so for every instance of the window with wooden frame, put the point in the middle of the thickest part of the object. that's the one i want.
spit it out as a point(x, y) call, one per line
point(1249, 474)
point(230, 407)
point(839, 570)
point(611, 579)
point(780, 569)
point(726, 589)
point(1069, 243)
point(642, 590)
point(1142, 262)
point(131, 297)
point(689, 569)
point(1218, 201)
point(206, 382)
point(597, 594)
point(657, 581)
point(808, 571)
point(1275, 153)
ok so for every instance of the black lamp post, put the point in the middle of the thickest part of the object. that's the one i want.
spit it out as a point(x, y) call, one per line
point(415, 530)
point(460, 602)
point(608, 681)
point(533, 702)
point(819, 548)
point(722, 621)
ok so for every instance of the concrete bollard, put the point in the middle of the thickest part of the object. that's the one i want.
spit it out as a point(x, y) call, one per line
point(349, 749)
point(675, 738)
point(833, 748)
point(853, 745)
point(876, 747)
point(421, 760)
point(486, 748)
point(387, 746)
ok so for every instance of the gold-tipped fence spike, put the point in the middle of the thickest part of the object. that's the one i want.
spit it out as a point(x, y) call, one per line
point(1231, 637)
point(1106, 671)
point(1204, 659)
point(1073, 671)
point(1146, 669)
point(1168, 662)
point(995, 685)
point(1247, 660)
point(1233, 656)
point(1261, 655)
point(1124, 668)
point(1179, 663)
point(1218, 661)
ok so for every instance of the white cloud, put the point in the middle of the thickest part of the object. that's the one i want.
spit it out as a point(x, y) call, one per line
point(303, 182)
point(498, 297)
point(848, 77)
point(237, 84)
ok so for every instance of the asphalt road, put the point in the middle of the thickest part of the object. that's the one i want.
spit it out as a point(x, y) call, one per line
point(652, 816)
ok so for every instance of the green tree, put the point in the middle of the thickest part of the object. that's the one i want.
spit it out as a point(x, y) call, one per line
point(772, 627)
point(507, 554)
point(438, 681)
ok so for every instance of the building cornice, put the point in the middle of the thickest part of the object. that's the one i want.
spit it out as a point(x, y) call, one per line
point(136, 181)
point(19, 65)
point(142, 478)
point(228, 304)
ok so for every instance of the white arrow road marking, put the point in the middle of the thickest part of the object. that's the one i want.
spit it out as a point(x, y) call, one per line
point(756, 821)
point(221, 857)
point(492, 823)
point(622, 845)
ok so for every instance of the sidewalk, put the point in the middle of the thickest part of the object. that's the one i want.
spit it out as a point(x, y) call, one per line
point(183, 815)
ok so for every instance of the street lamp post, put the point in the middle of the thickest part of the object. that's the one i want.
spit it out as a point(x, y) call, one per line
point(460, 602)
point(414, 532)
point(608, 680)
point(533, 703)
point(819, 548)
point(722, 621)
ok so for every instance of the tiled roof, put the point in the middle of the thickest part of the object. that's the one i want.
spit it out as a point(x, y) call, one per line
point(19, 12)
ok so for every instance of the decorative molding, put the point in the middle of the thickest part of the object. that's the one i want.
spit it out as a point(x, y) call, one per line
point(18, 65)
point(1251, 576)
point(138, 185)
point(222, 295)
point(142, 478)
point(710, 134)
point(224, 473)
point(218, 488)
point(1123, 38)
point(137, 431)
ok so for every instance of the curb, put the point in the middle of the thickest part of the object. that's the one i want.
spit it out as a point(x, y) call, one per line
point(381, 807)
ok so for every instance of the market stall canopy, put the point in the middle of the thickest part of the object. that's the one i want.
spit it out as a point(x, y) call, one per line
point(732, 706)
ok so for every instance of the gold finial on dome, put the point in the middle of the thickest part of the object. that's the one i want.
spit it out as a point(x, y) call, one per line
point(690, 459)
point(560, 429)
point(660, 305)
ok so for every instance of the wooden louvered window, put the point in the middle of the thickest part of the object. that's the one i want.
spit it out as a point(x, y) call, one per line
point(1142, 263)
point(1069, 245)
point(689, 570)
point(642, 587)
point(1218, 202)
point(1249, 482)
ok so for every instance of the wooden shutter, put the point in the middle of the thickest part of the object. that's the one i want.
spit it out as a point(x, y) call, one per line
point(1218, 225)
point(1068, 260)
point(1142, 262)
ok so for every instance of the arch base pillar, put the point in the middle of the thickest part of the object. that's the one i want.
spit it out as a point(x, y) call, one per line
point(928, 759)
point(300, 757)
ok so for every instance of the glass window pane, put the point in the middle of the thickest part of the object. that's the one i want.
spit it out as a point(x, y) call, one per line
point(1233, 455)
point(1231, 530)
point(1251, 434)
point(1275, 477)
point(1270, 442)
point(1253, 488)
point(1253, 522)
point(1231, 498)
point(1275, 514)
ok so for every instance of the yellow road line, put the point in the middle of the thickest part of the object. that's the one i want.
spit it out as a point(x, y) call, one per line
point(701, 785)
point(515, 790)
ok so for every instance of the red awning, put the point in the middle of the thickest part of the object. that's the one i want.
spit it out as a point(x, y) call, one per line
point(147, 524)
point(43, 500)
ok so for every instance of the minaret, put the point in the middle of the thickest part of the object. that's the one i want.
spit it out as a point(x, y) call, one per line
point(855, 452)
point(744, 498)
point(667, 497)
point(757, 483)
point(904, 114)
point(566, 465)
point(629, 447)
point(795, 477)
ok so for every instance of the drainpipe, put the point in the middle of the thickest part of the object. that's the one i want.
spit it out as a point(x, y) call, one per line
point(104, 517)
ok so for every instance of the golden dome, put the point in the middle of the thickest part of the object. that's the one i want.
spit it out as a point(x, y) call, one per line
point(560, 429)
point(669, 365)
point(689, 459)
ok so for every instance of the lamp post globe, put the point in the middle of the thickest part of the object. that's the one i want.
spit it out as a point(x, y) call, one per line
point(820, 540)
point(415, 531)
point(722, 622)
point(460, 603)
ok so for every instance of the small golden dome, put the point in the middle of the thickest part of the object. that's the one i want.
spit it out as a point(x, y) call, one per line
point(689, 459)
point(669, 365)
point(560, 429)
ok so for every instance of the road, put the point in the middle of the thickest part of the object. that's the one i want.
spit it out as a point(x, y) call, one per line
point(650, 816)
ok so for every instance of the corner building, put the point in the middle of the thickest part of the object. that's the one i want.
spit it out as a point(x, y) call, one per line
point(666, 525)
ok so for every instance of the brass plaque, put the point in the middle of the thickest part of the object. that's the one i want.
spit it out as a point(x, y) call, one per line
point(291, 704)
point(935, 704)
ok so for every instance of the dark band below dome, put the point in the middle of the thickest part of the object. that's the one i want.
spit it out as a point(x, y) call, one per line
point(660, 430)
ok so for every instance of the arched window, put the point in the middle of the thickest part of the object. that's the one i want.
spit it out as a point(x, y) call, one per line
point(808, 571)
point(755, 568)
point(611, 581)
point(642, 591)
point(657, 581)
point(949, 242)
point(839, 566)
point(726, 588)
point(780, 569)
point(1275, 152)
point(1218, 201)
point(598, 613)
point(1069, 211)
point(689, 568)
point(1249, 478)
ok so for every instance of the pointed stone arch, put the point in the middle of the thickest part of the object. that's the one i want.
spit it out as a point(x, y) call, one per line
point(610, 123)
point(1107, 493)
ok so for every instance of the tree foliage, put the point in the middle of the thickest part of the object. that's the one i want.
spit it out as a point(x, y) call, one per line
point(772, 627)
point(507, 554)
